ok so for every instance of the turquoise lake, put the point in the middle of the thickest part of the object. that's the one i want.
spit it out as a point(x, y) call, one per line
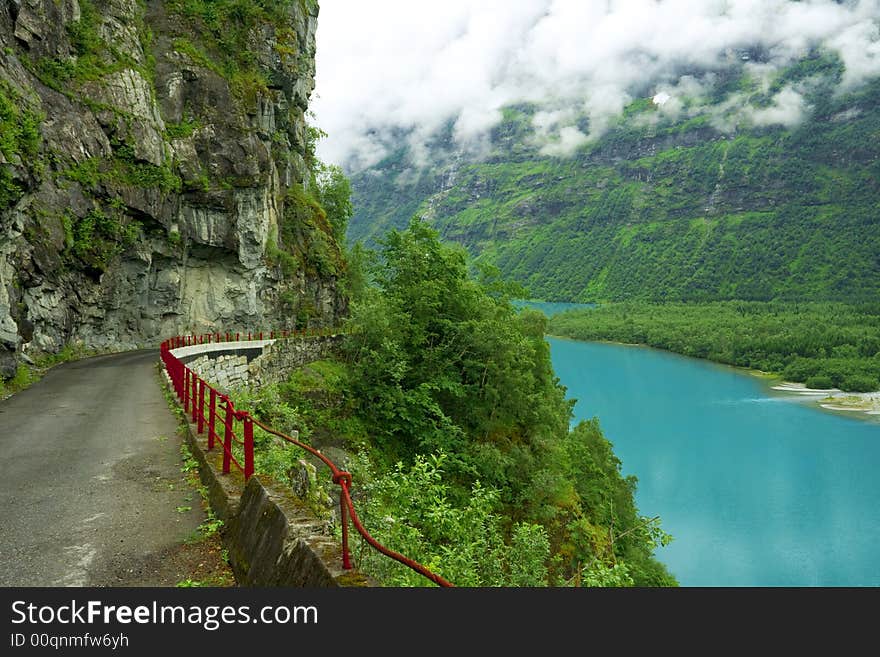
point(757, 488)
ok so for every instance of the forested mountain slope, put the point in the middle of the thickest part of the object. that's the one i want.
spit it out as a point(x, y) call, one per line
point(701, 204)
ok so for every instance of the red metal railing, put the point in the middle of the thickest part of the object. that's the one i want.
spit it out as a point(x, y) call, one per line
point(191, 390)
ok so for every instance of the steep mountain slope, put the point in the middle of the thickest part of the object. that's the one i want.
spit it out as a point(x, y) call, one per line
point(696, 205)
point(154, 159)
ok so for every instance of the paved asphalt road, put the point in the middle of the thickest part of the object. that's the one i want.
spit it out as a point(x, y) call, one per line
point(90, 479)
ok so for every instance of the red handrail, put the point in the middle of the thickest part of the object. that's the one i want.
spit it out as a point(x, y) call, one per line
point(190, 389)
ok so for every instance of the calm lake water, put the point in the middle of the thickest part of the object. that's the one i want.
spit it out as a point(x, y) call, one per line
point(758, 489)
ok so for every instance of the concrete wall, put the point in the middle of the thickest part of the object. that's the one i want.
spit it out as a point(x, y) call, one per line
point(282, 357)
point(265, 363)
point(226, 372)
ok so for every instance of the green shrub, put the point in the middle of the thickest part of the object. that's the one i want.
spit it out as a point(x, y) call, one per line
point(98, 237)
point(181, 130)
point(19, 138)
point(410, 510)
point(820, 382)
point(860, 383)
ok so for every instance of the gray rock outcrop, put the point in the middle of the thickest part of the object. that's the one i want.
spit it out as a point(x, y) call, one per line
point(146, 174)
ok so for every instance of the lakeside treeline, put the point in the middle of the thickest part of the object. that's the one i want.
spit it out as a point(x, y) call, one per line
point(823, 345)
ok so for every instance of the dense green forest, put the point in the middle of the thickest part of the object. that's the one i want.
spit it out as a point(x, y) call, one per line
point(465, 456)
point(659, 208)
point(824, 345)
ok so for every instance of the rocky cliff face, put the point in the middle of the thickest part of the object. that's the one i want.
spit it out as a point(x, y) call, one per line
point(154, 157)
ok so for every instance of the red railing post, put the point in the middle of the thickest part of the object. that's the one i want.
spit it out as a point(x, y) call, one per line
point(248, 446)
point(201, 426)
point(227, 437)
point(175, 378)
point(173, 371)
point(181, 380)
point(185, 389)
point(212, 415)
point(343, 519)
point(194, 386)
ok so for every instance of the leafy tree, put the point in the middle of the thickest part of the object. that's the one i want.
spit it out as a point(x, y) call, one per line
point(334, 195)
point(445, 371)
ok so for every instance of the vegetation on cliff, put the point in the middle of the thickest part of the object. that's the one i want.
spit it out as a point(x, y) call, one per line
point(227, 30)
point(19, 141)
point(824, 345)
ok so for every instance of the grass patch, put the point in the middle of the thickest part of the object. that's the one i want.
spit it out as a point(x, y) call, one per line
point(26, 375)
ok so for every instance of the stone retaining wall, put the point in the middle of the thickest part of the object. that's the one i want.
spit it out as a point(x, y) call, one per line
point(282, 357)
point(228, 371)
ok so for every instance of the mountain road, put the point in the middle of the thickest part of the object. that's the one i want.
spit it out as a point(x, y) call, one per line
point(91, 487)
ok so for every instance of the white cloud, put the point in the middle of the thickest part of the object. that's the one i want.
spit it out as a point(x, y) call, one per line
point(859, 47)
point(788, 109)
point(416, 66)
point(566, 142)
